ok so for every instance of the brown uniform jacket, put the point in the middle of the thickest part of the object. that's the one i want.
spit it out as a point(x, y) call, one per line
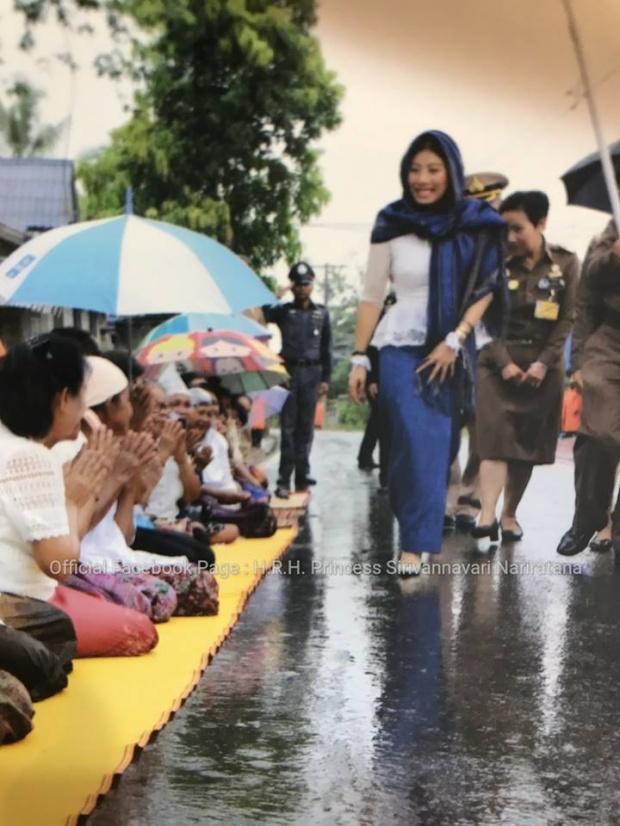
point(599, 289)
point(553, 279)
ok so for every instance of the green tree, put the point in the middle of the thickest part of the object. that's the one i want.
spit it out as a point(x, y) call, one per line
point(21, 133)
point(234, 97)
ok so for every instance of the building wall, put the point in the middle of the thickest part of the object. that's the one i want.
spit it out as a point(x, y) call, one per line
point(16, 324)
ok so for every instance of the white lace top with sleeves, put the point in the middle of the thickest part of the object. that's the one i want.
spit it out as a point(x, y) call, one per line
point(406, 263)
point(32, 508)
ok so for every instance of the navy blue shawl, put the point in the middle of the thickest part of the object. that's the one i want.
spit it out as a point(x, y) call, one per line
point(455, 228)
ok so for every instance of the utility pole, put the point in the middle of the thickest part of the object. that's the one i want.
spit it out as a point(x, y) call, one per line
point(325, 285)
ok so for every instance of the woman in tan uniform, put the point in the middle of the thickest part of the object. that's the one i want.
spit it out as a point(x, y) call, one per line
point(521, 379)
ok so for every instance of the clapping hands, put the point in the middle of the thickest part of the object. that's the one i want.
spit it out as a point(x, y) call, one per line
point(85, 475)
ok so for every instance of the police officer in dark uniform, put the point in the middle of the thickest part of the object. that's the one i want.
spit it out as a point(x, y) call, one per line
point(307, 354)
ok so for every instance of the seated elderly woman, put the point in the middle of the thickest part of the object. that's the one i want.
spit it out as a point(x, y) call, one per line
point(222, 496)
point(106, 542)
point(42, 385)
point(219, 476)
point(161, 528)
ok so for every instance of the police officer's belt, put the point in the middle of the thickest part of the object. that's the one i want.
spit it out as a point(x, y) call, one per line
point(302, 362)
point(612, 317)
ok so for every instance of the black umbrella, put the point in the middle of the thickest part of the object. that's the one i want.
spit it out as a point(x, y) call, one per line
point(585, 183)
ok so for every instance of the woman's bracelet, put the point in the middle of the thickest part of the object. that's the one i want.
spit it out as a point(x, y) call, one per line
point(361, 360)
point(463, 330)
point(453, 342)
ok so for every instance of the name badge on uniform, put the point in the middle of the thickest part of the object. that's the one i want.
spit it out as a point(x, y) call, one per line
point(547, 310)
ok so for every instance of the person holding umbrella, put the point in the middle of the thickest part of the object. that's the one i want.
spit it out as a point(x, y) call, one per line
point(596, 362)
point(307, 353)
point(594, 356)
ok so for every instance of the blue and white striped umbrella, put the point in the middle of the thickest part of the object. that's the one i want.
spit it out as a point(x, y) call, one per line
point(202, 322)
point(129, 266)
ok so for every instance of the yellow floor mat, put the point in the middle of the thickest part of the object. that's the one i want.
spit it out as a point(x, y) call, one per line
point(88, 734)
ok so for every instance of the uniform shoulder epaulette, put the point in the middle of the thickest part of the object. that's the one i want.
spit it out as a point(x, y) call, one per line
point(560, 248)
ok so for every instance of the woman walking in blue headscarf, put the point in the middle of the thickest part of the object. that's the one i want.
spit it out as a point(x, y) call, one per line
point(443, 254)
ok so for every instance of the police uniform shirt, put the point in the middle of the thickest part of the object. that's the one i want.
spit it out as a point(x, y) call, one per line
point(306, 334)
point(542, 303)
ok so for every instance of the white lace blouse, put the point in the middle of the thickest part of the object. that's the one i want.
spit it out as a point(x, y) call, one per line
point(32, 508)
point(406, 263)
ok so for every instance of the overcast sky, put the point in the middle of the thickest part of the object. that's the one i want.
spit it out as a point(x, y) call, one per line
point(499, 75)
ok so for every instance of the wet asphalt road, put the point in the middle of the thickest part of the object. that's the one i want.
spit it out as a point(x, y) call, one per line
point(484, 695)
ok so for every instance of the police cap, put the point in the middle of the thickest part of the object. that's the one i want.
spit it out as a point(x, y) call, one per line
point(301, 273)
point(485, 186)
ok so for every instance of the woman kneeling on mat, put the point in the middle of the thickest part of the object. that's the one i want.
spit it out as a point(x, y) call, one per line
point(106, 545)
point(42, 387)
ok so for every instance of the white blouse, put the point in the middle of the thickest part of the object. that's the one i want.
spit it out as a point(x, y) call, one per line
point(218, 473)
point(105, 550)
point(162, 503)
point(406, 262)
point(32, 508)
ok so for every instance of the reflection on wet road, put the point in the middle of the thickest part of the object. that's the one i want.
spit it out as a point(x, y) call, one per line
point(485, 694)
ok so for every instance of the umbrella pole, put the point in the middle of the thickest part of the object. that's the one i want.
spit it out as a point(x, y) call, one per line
point(130, 347)
point(608, 169)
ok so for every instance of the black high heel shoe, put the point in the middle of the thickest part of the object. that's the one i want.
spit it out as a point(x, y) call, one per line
point(512, 536)
point(486, 536)
point(602, 545)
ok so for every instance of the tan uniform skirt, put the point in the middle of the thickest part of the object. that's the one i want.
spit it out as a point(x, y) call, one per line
point(517, 422)
point(601, 386)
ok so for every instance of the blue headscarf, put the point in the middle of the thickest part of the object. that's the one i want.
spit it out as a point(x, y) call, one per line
point(454, 226)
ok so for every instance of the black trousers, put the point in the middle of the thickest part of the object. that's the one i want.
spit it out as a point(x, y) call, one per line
point(172, 543)
point(297, 423)
point(37, 644)
point(371, 435)
point(596, 463)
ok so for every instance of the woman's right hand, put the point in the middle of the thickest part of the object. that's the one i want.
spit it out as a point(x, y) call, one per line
point(85, 476)
point(170, 438)
point(357, 383)
point(136, 451)
point(512, 372)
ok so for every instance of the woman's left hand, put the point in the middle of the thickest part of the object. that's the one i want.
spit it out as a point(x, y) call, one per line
point(442, 360)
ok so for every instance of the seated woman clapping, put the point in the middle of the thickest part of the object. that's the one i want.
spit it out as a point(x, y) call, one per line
point(106, 546)
point(163, 528)
point(42, 400)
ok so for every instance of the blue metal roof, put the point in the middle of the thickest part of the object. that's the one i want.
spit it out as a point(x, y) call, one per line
point(37, 193)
